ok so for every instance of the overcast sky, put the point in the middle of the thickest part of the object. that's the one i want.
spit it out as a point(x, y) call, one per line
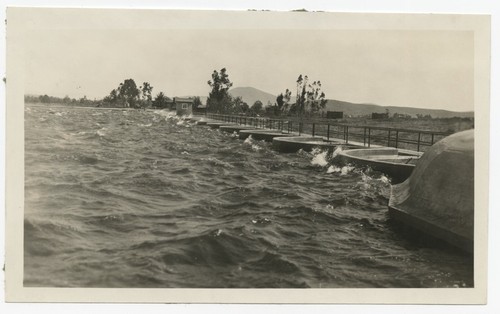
point(420, 68)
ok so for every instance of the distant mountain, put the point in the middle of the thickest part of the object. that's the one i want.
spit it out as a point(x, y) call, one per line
point(250, 95)
point(354, 109)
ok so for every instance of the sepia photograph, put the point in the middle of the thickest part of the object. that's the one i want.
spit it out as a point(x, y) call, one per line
point(275, 154)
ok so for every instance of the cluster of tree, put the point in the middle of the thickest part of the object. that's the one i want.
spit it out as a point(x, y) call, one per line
point(423, 117)
point(219, 100)
point(161, 101)
point(129, 95)
point(45, 99)
point(309, 100)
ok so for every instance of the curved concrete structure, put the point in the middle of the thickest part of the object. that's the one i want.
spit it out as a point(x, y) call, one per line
point(261, 134)
point(397, 164)
point(235, 128)
point(293, 144)
point(438, 198)
point(218, 124)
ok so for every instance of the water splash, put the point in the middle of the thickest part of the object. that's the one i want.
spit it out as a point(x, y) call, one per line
point(166, 115)
point(101, 132)
point(248, 140)
point(384, 179)
point(256, 147)
point(218, 162)
point(342, 170)
point(320, 158)
point(253, 144)
point(336, 151)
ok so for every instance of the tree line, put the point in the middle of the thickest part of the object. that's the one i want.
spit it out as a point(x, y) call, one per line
point(45, 99)
point(309, 98)
point(127, 95)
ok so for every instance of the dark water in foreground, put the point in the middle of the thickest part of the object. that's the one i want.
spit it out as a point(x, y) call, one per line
point(142, 199)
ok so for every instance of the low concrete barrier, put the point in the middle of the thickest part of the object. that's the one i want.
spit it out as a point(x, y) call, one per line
point(293, 144)
point(218, 124)
point(235, 128)
point(259, 135)
point(396, 164)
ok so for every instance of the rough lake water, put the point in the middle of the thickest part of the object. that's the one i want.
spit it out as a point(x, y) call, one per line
point(128, 198)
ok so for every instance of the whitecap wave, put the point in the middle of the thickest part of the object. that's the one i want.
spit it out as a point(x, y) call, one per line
point(341, 170)
point(218, 162)
point(248, 140)
point(253, 144)
point(101, 132)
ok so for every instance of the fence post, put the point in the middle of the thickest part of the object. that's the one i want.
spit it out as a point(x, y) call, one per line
point(369, 137)
point(328, 132)
point(397, 138)
point(364, 136)
point(418, 142)
point(347, 134)
point(432, 139)
point(313, 128)
point(389, 138)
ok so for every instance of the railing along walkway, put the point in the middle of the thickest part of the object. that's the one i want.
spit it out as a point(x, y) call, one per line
point(367, 135)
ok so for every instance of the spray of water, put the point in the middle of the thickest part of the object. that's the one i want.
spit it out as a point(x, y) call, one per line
point(341, 170)
point(320, 159)
point(336, 151)
point(250, 141)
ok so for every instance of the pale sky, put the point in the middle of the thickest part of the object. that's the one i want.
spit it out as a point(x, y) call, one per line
point(409, 68)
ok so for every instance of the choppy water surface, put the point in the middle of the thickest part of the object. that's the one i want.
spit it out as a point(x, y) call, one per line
point(125, 198)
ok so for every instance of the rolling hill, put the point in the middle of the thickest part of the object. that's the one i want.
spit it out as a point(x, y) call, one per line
point(354, 109)
point(250, 95)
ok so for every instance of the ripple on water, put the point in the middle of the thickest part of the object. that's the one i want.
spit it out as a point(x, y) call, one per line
point(125, 198)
